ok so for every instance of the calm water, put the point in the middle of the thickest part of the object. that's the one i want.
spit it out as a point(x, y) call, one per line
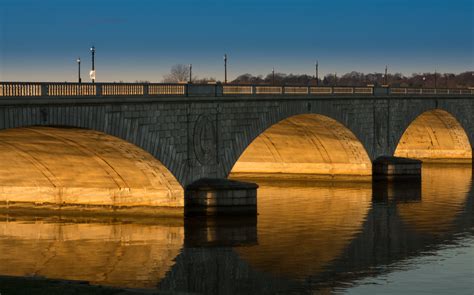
point(313, 238)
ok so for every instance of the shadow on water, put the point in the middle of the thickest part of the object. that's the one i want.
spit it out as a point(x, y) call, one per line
point(306, 238)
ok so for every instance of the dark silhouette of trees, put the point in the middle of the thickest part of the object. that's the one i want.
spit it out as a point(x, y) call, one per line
point(426, 80)
point(179, 73)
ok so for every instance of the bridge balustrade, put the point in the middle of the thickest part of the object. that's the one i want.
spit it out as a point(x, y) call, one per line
point(235, 89)
point(60, 89)
point(166, 89)
point(442, 91)
point(122, 89)
point(363, 90)
point(22, 89)
point(321, 90)
point(296, 90)
point(343, 90)
point(430, 91)
point(269, 90)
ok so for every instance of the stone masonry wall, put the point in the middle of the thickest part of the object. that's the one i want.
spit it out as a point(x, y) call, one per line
point(197, 137)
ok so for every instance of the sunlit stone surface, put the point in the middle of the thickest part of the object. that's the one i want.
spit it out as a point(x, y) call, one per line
point(435, 136)
point(305, 144)
point(83, 167)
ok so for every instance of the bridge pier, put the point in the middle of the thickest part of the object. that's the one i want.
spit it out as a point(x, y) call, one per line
point(209, 196)
point(388, 168)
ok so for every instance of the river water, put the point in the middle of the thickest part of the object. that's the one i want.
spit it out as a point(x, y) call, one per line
point(309, 238)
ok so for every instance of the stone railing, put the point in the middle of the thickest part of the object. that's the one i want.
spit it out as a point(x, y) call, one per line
point(26, 89)
point(430, 91)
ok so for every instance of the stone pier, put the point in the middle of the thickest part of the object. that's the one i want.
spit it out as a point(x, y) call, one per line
point(209, 196)
point(395, 169)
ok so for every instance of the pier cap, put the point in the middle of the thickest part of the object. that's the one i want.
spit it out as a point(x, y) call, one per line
point(220, 184)
point(396, 160)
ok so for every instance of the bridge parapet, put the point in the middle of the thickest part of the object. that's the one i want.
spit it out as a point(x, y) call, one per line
point(53, 89)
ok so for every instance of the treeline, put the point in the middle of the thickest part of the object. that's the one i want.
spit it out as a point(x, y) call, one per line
point(427, 80)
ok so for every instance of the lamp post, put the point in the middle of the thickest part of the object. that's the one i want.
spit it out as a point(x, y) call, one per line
point(424, 79)
point(386, 77)
point(225, 68)
point(93, 64)
point(273, 76)
point(435, 79)
point(190, 73)
point(317, 74)
point(335, 79)
point(79, 69)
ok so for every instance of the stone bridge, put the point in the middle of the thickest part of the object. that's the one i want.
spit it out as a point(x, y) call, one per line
point(244, 255)
point(141, 143)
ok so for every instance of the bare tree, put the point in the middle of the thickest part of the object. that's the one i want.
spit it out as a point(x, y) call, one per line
point(178, 73)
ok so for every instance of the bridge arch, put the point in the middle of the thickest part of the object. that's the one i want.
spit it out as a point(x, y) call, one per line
point(74, 166)
point(435, 136)
point(144, 125)
point(305, 144)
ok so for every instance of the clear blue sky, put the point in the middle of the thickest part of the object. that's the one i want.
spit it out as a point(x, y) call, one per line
point(140, 39)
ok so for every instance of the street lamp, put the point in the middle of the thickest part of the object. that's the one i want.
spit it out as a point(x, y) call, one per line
point(190, 73)
point(92, 73)
point(435, 79)
point(79, 69)
point(386, 77)
point(273, 76)
point(317, 74)
point(225, 68)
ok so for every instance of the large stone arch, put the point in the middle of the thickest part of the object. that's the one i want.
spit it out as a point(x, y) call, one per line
point(71, 166)
point(435, 135)
point(305, 144)
point(265, 114)
point(144, 125)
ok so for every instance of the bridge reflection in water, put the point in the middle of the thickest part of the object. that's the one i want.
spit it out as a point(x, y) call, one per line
point(113, 254)
point(442, 199)
point(302, 229)
point(315, 237)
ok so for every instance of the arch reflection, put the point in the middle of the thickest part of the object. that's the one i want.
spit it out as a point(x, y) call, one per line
point(302, 228)
point(439, 205)
point(113, 254)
